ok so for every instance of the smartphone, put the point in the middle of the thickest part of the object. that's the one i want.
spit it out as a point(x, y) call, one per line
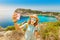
point(18, 16)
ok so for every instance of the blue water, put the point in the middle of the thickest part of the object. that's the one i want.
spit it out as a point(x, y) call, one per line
point(47, 19)
point(25, 19)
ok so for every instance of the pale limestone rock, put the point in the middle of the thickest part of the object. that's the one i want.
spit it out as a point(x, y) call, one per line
point(13, 35)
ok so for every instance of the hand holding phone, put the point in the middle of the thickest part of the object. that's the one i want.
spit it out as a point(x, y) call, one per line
point(16, 17)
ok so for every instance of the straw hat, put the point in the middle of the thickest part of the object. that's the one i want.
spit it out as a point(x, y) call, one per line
point(34, 16)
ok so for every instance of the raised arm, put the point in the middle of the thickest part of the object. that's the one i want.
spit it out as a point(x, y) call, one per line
point(17, 27)
point(14, 18)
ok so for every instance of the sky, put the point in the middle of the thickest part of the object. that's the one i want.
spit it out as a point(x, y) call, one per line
point(7, 7)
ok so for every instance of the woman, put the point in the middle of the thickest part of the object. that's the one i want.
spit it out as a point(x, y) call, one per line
point(31, 26)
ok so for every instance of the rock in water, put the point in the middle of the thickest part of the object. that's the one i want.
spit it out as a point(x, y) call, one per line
point(13, 35)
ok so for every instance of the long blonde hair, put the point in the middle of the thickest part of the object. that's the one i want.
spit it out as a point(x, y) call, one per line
point(29, 22)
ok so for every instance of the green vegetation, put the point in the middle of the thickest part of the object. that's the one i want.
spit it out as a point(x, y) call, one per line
point(9, 28)
point(29, 11)
point(0, 26)
point(50, 31)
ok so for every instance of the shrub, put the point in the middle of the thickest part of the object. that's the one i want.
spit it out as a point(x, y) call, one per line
point(50, 31)
point(0, 27)
point(10, 28)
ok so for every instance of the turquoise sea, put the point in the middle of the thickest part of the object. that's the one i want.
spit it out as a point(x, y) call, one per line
point(41, 19)
point(26, 18)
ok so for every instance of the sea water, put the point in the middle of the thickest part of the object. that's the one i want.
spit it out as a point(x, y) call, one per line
point(24, 19)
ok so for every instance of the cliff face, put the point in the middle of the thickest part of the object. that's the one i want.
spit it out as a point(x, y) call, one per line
point(13, 35)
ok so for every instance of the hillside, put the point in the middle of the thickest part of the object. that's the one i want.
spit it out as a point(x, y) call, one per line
point(29, 11)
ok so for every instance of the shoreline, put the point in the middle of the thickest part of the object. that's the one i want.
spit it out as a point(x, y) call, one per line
point(58, 18)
